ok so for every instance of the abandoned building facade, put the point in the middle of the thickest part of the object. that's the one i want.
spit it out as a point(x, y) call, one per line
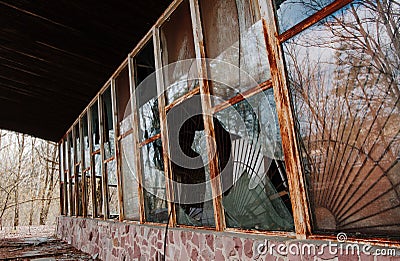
point(236, 122)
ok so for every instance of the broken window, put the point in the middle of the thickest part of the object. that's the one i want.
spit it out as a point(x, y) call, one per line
point(292, 12)
point(109, 154)
point(152, 165)
point(96, 159)
point(235, 45)
point(155, 203)
point(108, 125)
point(146, 93)
point(126, 146)
point(345, 86)
point(189, 164)
point(113, 204)
point(129, 178)
point(254, 181)
point(177, 47)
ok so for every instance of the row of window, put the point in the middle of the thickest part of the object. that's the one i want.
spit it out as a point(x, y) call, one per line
point(197, 142)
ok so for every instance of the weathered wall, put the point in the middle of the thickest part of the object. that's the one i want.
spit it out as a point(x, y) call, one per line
point(123, 241)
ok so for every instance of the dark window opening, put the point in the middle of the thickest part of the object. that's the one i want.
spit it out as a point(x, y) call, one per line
point(254, 182)
point(188, 155)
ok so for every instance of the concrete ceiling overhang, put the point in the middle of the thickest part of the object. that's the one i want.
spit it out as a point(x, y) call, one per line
point(56, 55)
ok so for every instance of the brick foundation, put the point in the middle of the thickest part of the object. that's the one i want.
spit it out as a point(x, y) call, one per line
point(123, 241)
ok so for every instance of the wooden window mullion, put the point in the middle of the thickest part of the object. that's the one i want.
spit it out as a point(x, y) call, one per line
point(290, 146)
point(117, 150)
point(83, 176)
point(102, 154)
point(92, 163)
point(135, 134)
point(207, 115)
point(163, 125)
point(69, 174)
point(76, 200)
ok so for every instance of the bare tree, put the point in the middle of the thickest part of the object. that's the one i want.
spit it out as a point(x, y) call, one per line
point(28, 180)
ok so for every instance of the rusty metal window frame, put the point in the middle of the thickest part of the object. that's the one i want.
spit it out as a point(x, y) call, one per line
point(76, 166)
point(134, 131)
point(163, 109)
point(117, 155)
point(84, 168)
point(278, 81)
point(103, 171)
point(92, 158)
point(163, 122)
point(208, 110)
point(118, 136)
point(216, 188)
point(135, 135)
point(82, 195)
point(110, 85)
point(91, 161)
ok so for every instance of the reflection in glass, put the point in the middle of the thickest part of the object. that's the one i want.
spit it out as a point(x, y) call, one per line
point(189, 164)
point(108, 124)
point(129, 179)
point(154, 182)
point(89, 194)
point(149, 119)
point(256, 194)
point(344, 75)
point(292, 12)
point(177, 46)
point(146, 93)
point(234, 37)
point(112, 189)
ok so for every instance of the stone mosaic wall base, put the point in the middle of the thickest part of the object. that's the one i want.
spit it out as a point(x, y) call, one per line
point(122, 241)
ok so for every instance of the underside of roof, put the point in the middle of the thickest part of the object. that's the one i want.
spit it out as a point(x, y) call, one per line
point(56, 55)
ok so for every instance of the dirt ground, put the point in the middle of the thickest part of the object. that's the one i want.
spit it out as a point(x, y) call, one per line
point(36, 243)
